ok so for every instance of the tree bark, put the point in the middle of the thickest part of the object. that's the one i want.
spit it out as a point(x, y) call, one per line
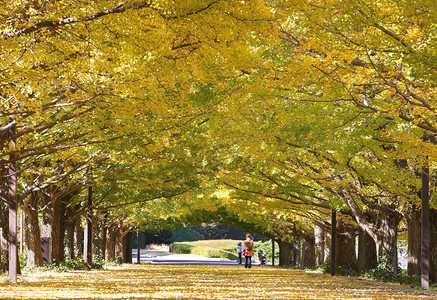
point(120, 243)
point(345, 245)
point(111, 241)
point(433, 245)
point(46, 229)
point(414, 232)
point(285, 252)
point(56, 230)
point(33, 232)
point(297, 259)
point(387, 238)
point(138, 247)
point(13, 251)
point(424, 243)
point(333, 242)
point(103, 238)
point(69, 239)
point(319, 246)
point(78, 238)
point(367, 257)
point(308, 251)
point(88, 232)
point(384, 231)
point(127, 248)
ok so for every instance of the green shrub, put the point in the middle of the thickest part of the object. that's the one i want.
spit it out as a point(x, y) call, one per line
point(67, 265)
point(180, 248)
point(22, 257)
point(267, 248)
point(76, 264)
point(380, 272)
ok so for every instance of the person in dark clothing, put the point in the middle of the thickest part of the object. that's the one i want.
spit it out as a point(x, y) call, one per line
point(240, 252)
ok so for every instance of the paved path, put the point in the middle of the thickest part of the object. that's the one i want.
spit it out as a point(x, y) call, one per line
point(161, 255)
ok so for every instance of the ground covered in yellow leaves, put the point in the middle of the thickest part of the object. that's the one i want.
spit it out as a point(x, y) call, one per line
point(199, 282)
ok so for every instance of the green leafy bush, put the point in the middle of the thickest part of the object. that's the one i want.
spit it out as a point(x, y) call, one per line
point(66, 265)
point(180, 248)
point(76, 264)
point(380, 272)
point(267, 248)
point(22, 257)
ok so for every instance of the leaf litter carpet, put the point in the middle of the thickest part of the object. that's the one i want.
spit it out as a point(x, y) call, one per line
point(199, 282)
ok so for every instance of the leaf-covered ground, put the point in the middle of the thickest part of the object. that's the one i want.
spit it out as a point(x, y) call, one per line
point(199, 282)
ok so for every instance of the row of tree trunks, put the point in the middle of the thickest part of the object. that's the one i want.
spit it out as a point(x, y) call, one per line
point(313, 249)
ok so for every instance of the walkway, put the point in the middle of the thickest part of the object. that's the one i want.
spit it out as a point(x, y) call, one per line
point(160, 255)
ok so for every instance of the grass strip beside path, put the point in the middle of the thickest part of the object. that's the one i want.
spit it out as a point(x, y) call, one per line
point(199, 282)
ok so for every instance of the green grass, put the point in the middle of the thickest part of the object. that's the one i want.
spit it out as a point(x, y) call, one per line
point(208, 248)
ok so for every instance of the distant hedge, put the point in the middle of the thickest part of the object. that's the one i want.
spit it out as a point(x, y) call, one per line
point(182, 248)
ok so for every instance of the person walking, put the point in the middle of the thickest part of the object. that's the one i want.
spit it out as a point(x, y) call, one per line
point(248, 251)
point(240, 252)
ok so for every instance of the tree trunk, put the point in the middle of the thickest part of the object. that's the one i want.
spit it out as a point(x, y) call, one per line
point(345, 245)
point(285, 252)
point(111, 241)
point(104, 236)
point(387, 238)
point(120, 243)
point(297, 258)
point(46, 231)
point(13, 205)
point(433, 245)
point(319, 246)
point(33, 233)
point(56, 230)
point(308, 251)
point(88, 241)
point(127, 248)
point(78, 238)
point(367, 257)
point(3, 224)
point(63, 228)
point(69, 239)
point(414, 233)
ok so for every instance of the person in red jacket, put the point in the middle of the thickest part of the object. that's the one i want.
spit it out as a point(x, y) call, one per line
point(248, 251)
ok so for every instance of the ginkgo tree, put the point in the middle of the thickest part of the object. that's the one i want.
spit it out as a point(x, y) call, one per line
point(294, 107)
point(100, 66)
